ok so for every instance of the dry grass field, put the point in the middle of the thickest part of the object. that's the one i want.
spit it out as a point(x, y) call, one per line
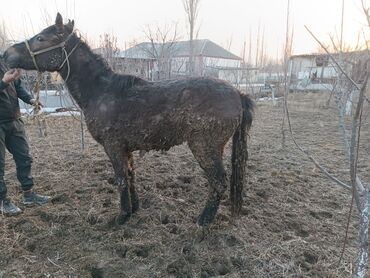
point(292, 224)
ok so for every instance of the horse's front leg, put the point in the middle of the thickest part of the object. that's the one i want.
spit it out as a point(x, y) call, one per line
point(119, 161)
point(135, 203)
point(125, 201)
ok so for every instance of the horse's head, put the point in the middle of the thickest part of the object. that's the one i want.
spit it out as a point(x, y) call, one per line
point(45, 51)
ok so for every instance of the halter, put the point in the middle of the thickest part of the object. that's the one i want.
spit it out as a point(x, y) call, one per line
point(61, 45)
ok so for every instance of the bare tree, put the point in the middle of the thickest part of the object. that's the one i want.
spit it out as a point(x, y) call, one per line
point(4, 41)
point(192, 9)
point(262, 58)
point(287, 54)
point(162, 47)
point(249, 61)
point(366, 10)
point(349, 90)
point(109, 49)
point(353, 70)
point(354, 84)
point(258, 44)
point(228, 43)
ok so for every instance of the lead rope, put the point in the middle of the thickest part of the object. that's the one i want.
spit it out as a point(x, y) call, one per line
point(66, 60)
point(68, 67)
point(41, 122)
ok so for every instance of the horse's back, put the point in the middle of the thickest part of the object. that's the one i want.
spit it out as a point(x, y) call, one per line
point(212, 97)
point(202, 96)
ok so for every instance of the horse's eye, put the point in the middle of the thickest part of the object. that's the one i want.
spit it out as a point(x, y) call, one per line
point(40, 39)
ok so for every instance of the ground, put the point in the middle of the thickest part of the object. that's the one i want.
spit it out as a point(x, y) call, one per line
point(293, 222)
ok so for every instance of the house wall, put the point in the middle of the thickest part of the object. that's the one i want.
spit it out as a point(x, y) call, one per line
point(208, 66)
point(139, 67)
point(301, 68)
point(309, 73)
point(220, 62)
point(178, 66)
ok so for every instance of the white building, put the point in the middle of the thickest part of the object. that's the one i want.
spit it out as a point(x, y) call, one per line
point(168, 60)
point(317, 72)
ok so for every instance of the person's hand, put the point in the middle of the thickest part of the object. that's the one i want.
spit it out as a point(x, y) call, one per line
point(36, 103)
point(11, 75)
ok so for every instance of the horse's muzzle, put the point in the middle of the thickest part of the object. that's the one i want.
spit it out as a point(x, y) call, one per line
point(12, 58)
point(7, 57)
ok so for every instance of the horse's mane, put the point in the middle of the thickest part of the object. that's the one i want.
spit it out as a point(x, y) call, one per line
point(125, 81)
point(101, 67)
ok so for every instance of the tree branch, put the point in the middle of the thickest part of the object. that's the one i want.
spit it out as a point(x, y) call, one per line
point(317, 164)
point(333, 59)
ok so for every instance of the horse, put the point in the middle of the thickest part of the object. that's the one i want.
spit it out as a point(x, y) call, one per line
point(125, 113)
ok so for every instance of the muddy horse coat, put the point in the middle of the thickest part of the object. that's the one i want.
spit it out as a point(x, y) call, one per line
point(125, 113)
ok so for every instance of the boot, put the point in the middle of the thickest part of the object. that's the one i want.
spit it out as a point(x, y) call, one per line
point(8, 208)
point(31, 198)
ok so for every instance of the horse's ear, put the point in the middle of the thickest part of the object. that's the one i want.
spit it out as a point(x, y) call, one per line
point(69, 26)
point(59, 23)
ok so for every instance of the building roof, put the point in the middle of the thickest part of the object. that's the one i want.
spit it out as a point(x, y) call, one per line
point(204, 48)
point(314, 55)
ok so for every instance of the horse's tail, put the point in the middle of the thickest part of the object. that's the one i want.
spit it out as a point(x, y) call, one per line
point(239, 155)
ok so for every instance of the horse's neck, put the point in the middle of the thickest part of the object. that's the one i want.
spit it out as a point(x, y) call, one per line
point(86, 75)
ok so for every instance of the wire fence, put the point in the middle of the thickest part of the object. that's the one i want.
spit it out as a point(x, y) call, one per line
point(55, 99)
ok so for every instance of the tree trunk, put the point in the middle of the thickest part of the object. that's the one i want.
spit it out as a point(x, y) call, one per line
point(363, 235)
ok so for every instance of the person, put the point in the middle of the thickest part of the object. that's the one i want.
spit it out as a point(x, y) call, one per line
point(13, 138)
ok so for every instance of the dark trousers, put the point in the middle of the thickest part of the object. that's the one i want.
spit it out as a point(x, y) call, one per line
point(13, 138)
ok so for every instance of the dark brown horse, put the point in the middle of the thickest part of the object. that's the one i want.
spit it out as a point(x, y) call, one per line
point(125, 113)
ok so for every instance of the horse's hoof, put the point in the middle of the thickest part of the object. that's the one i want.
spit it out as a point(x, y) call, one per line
point(204, 221)
point(135, 207)
point(122, 218)
point(207, 216)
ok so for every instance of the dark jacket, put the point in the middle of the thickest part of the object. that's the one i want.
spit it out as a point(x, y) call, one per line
point(9, 105)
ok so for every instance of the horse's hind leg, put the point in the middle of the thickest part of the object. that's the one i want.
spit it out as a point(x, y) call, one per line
point(131, 173)
point(209, 157)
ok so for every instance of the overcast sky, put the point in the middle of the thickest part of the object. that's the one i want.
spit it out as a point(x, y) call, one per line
point(222, 21)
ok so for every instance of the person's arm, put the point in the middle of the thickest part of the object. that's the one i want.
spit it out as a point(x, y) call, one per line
point(3, 85)
point(13, 75)
point(22, 93)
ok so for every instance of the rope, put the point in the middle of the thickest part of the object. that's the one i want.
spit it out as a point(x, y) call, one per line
point(68, 67)
point(41, 122)
point(61, 45)
point(36, 92)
